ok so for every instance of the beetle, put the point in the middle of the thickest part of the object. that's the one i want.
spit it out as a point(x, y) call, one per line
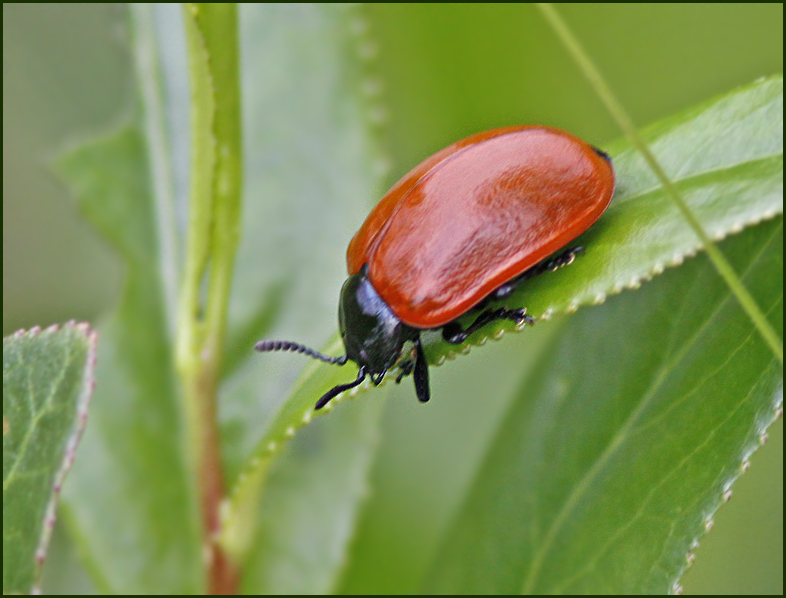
point(461, 229)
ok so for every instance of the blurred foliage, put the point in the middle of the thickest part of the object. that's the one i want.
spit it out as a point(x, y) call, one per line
point(444, 72)
point(66, 74)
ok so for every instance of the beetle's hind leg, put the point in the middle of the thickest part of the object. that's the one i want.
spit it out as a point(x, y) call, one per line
point(549, 265)
point(453, 333)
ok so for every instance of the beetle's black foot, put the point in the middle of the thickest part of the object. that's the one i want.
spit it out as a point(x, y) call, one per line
point(566, 257)
point(548, 265)
point(404, 369)
point(520, 316)
point(377, 378)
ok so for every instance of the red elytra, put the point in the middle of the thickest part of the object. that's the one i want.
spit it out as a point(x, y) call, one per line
point(477, 214)
point(461, 228)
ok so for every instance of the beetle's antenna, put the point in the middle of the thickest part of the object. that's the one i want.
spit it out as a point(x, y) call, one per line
point(290, 346)
point(325, 399)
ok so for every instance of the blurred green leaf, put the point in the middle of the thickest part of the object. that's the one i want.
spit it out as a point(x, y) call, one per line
point(310, 504)
point(47, 384)
point(312, 173)
point(124, 184)
point(617, 452)
point(137, 466)
point(130, 500)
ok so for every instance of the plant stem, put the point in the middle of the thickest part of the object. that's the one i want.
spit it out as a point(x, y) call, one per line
point(625, 123)
point(214, 214)
point(221, 574)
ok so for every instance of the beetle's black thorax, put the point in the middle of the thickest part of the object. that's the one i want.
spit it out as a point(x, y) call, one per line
point(372, 334)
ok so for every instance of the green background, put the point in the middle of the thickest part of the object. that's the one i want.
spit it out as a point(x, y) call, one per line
point(446, 72)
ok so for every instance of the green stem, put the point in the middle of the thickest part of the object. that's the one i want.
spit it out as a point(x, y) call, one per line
point(212, 238)
point(625, 123)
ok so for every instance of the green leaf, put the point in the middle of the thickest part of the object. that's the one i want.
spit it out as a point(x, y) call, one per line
point(430, 454)
point(47, 384)
point(726, 158)
point(616, 453)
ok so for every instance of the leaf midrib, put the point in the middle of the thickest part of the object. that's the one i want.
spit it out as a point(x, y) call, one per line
point(699, 174)
point(36, 414)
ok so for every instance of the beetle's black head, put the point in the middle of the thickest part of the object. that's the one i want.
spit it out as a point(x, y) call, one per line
point(372, 334)
point(373, 337)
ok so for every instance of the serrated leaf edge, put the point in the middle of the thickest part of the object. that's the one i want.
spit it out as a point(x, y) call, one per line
point(83, 403)
point(725, 495)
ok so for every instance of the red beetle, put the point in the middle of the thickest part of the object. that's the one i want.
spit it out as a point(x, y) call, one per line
point(462, 228)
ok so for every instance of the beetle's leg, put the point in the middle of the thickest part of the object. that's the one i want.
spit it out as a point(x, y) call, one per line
point(422, 389)
point(404, 369)
point(549, 265)
point(453, 333)
point(328, 396)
